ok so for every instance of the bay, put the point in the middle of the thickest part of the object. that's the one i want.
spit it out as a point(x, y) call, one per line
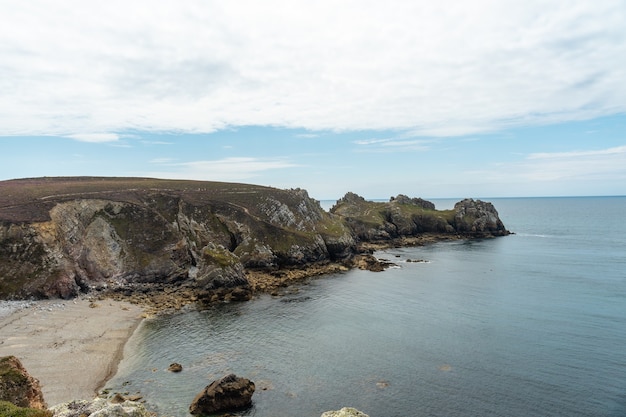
point(532, 324)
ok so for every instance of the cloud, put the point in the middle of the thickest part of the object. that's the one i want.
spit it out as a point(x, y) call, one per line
point(227, 169)
point(431, 68)
point(95, 137)
point(393, 144)
point(615, 151)
point(608, 164)
point(161, 161)
point(562, 169)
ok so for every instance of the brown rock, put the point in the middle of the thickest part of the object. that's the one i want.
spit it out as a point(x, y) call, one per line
point(17, 386)
point(175, 367)
point(226, 394)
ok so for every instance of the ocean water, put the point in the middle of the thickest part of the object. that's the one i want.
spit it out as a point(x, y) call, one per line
point(532, 324)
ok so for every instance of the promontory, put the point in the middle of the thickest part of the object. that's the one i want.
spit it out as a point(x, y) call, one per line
point(65, 236)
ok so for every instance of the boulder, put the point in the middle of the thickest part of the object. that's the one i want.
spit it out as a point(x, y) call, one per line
point(226, 394)
point(17, 386)
point(175, 367)
point(345, 412)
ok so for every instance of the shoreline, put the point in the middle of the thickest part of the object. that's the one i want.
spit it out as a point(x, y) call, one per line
point(82, 340)
point(73, 347)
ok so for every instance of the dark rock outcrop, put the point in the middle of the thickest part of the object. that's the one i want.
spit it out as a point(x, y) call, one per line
point(478, 218)
point(404, 217)
point(229, 393)
point(17, 386)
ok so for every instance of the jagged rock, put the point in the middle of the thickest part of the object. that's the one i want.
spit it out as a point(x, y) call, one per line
point(100, 407)
point(371, 263)
point(226, 394)
point(345, 412)
point(175, 367)
point(419, 202)
point(478, 217)
point(17, 386)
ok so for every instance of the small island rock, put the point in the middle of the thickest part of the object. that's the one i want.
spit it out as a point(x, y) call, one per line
point(226, 394)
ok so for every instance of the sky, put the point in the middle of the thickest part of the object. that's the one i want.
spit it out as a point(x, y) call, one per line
point(453, 98)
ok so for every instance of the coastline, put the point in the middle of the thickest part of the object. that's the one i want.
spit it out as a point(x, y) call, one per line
point(71, 346)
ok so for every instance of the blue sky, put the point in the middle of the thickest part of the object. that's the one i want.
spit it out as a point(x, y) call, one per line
point(453, 99)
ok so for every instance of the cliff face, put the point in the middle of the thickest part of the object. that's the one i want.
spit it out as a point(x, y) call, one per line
point(60, 237)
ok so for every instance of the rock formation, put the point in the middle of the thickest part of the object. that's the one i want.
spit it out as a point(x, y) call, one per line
point(175, 367)
point(403, 217)
point(100, 407)
point(17, 386)
point(229, 393)
point(345, 412)
point(60, 237)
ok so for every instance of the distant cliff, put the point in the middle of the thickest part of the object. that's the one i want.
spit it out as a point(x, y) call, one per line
point(60, 237)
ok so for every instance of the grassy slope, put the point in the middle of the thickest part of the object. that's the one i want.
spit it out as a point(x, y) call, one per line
point(28, 200)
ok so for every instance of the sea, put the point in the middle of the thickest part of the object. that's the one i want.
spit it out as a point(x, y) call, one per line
point(531, 324)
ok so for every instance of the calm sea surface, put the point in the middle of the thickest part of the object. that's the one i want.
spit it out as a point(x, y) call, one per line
point(532, 324)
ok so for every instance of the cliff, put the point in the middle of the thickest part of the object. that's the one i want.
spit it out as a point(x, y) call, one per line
point(60, 237)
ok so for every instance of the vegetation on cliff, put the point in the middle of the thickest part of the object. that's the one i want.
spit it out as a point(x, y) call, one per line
point(63, 236)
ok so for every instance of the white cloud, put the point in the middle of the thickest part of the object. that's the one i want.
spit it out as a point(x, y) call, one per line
point(161, 161)
point(95, 137)
point(607, 164)
point(556, 171)
point(431, 68)
point(227, 169)
point(577, 155)
point(393, 144)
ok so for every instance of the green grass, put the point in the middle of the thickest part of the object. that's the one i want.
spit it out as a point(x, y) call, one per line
point(220, 257)
point(10, 410)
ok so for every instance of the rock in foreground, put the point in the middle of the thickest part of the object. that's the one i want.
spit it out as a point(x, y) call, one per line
point(17, 386)
point(226, 394)
point(100, 407)
point(345, 412)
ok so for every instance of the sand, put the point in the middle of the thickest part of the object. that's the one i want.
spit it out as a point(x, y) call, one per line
point(72, 347)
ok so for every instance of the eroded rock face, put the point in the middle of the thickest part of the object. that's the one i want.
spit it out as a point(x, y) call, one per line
point(17, 386)
point(226, 394)
point(479, 218)
point(134, 240)
point(345, 412)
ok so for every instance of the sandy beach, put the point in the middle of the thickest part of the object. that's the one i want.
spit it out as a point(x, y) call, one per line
point(71, 346)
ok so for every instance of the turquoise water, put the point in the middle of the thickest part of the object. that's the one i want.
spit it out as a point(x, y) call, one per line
point(532, 324)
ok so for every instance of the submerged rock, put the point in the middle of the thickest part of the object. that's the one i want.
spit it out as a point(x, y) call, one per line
point(226, 394)
point(17, 386)
point(345, 412)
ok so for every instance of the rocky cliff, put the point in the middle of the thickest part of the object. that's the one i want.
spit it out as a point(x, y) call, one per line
point(404, 217)
point(63, 236)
